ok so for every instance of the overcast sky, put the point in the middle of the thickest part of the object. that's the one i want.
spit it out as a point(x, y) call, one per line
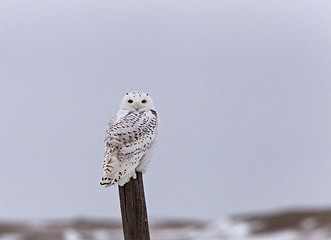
point(243, 89)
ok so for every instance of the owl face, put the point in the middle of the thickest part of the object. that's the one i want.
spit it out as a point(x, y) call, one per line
point(137, 101)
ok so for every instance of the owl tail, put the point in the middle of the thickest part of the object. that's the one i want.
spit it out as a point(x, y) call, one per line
point(121, 176)
point(106, 181)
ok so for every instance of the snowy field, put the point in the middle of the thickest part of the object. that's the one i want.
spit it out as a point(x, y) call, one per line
point(291, 225)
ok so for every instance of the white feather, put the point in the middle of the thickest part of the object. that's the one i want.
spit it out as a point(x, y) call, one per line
point(130, 139)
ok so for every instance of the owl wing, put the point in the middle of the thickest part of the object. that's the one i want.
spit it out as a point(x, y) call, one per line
point(128, 137)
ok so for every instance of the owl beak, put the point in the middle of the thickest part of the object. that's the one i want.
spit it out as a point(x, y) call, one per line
point(137, 107)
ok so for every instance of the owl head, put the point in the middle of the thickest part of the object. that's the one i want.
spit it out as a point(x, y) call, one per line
point(137, 101)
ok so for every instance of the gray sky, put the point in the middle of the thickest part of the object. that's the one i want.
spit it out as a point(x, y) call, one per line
point(242, 87)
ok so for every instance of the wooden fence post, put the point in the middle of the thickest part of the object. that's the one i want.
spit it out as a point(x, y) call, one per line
point(133, 209)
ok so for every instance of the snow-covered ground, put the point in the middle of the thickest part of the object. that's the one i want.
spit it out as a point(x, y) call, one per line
point(236, 230)
point(291, 225)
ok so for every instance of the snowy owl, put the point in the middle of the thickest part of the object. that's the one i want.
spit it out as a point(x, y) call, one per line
point(130, 139)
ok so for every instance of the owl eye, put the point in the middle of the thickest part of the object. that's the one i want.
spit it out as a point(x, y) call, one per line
point(130, 101)
point(143, 101)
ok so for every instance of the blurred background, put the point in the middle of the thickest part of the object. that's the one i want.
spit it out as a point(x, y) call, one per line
point(242, 88)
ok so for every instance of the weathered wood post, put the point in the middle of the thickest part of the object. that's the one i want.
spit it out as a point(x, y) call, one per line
point(133, 209)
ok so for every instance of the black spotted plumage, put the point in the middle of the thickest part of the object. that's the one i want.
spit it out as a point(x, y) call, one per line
point(130, 139)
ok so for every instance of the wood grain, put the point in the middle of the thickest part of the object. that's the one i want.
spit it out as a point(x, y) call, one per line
point(133, 209)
